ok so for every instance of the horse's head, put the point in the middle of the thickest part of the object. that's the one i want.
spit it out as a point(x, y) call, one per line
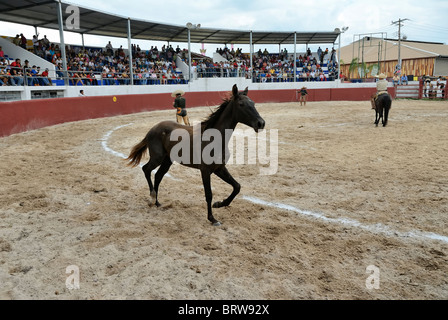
point(244, 110)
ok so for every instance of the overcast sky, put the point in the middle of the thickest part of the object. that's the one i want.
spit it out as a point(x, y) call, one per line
point(427, 18)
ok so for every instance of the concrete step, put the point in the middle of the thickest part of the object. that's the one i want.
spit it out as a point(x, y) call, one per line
point(409, 87)
point(406, 96)
point(407, 91)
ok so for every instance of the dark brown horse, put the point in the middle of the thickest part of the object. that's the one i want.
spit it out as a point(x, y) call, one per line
point(382, 106)
point(164, 146)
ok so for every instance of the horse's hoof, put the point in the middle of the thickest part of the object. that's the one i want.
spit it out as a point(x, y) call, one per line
point(158, 204)
point(217, 204)
point(216, 224)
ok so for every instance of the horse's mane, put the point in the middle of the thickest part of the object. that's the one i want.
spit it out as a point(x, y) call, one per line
point(214, 116)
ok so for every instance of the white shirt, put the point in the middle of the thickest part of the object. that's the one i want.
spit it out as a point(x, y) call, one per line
point(381, 85)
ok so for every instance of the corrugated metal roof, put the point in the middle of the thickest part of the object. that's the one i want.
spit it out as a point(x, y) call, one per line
point(43, 13)
point(372, 49)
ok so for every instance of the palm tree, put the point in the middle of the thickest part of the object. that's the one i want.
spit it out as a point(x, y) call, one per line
point(353, 66)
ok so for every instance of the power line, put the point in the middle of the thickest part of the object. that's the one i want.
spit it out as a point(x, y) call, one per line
point(428, 29)
point(430, 26)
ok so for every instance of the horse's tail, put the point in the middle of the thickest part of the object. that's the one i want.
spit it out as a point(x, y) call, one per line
point(137, 153)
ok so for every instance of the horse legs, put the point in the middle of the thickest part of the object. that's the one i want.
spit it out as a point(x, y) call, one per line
point(147, 169)
point(386, 115)
point(205, 174)
point(164, 167)
point(224, 174)
point(377, 118)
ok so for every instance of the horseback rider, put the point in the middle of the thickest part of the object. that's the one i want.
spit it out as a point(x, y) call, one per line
point(381, 88)
point(179, 104)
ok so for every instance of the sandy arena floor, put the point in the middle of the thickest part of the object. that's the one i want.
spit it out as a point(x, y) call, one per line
point(348, 197)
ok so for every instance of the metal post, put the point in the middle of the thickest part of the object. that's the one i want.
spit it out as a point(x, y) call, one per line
point(385, 52)
point(379, 56)
point(131, 71)
point(339, 57)
point(189, 56)
point(189, 27)
point(362, 61)
point(399, 43)
point(295, 57)
point(251, 56)
point(339, 51)
point(61, 36)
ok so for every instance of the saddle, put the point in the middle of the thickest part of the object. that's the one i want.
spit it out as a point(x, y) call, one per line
point(376, 95)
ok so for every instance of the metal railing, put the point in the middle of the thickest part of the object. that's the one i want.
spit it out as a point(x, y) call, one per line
point(259, 76)
point(95, 78)
point(16, 76)
point(289, 77)
point(13, 76)
point(221, 72)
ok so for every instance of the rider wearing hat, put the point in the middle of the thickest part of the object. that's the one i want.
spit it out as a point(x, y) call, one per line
point(381, 88)
point(179, 104)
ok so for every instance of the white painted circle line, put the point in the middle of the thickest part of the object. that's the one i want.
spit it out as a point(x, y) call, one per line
point(376, 228)
point(105, 139)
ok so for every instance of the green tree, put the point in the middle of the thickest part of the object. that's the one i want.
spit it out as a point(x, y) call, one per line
point(353, 67)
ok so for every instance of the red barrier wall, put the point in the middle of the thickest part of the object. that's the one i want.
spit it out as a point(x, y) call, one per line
point(20, 116)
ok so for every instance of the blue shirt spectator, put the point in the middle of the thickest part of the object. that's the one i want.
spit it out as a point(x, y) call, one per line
point(404, 79)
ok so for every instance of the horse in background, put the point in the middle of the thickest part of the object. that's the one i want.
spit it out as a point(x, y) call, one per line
point(383, 104)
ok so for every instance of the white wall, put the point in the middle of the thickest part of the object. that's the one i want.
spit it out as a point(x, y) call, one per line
point(198, 85)
point(180, 64)
point(218, 58)
point(206, 85)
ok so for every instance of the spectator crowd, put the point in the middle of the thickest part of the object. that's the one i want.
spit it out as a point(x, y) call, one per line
point(89, 66)
point(270, 67)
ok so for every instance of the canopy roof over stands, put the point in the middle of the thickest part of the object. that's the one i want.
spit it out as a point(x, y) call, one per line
point(43, 14)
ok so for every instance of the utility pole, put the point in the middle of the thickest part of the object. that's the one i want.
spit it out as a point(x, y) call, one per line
point(399, 38)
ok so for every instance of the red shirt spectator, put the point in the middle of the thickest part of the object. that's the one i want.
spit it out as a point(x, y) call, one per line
point(16, 64)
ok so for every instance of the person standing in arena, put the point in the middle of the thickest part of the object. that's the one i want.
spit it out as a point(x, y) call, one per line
point(180, 105)
point(303, 95)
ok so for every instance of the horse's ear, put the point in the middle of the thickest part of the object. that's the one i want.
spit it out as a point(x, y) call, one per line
point(235, 90)
point(245, 91)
